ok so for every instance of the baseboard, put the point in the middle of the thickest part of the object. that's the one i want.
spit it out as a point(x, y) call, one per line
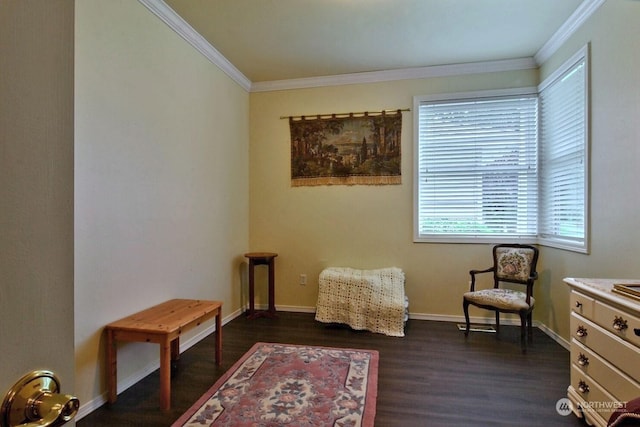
point(296, 309)
point(554, 336)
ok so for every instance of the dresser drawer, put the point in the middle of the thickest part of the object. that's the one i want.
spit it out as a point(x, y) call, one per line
point(618, 322)
point(618, 384)
point(581, 304)
point(618, 352)
point(594, 398)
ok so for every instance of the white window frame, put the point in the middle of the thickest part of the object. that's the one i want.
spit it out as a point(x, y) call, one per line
point(553, 241)
point(563, 242)
point(463, 96)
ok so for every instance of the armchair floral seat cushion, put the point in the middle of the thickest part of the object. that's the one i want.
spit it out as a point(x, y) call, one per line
point(505, 299)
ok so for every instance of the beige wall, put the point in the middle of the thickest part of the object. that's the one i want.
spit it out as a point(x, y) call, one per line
point(161, 173)
point(357, 226)
point(367, 227)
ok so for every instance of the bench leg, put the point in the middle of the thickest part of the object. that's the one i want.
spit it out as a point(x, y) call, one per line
point(165, 375)
point(112, 368)
point(219, 337)
point(175, 350)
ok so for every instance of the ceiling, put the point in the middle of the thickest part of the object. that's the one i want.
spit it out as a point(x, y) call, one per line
point(272, 40)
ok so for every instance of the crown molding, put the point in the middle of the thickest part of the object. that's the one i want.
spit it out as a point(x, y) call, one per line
point(182, 28)
point(577, 18)
point(400, 74)
point(186, 31)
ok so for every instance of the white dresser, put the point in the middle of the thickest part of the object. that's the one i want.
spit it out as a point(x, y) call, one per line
point(605, 348)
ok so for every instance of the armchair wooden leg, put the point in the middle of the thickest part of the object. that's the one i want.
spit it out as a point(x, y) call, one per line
point(465, 307)
point(523, 331)
point(497, 322)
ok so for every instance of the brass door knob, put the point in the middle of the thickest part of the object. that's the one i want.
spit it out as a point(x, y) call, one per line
point(35, 401)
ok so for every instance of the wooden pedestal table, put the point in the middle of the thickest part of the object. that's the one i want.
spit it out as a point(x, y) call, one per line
point(262, 258)
point(161, 324)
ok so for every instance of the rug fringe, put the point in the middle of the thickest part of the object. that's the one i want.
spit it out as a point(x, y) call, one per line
point(347, 180)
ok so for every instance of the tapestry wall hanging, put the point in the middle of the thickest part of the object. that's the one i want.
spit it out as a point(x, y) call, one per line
point(330, 150)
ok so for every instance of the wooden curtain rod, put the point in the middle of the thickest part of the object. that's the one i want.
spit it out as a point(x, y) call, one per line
point(336, 115)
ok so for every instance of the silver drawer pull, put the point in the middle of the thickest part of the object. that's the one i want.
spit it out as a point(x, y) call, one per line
point(619, 324)
point(582, 331)
point(583, 360)
point(578, 304)
point(583, 387)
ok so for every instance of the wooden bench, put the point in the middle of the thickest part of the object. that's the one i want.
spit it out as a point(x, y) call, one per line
point(161, 324)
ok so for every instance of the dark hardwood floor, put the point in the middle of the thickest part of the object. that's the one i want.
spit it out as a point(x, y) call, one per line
point(431, 377)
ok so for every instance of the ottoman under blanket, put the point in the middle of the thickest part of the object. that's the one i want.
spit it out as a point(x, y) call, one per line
point(372, 300)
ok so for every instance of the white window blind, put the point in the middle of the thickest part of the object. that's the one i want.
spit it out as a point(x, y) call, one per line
point(477, 168)
point(563, 155)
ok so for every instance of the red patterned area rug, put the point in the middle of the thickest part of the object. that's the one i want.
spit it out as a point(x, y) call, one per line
point(290, 385)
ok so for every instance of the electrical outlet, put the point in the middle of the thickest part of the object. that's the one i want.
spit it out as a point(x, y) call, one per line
point(303, 279)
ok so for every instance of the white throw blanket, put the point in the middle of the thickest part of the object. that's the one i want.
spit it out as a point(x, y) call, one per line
point(373, 300)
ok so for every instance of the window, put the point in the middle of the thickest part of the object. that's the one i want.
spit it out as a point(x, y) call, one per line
point(477, 167)
point(505, 166)
point(563, 156)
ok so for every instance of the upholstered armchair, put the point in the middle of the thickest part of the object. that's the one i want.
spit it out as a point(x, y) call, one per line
point(512, 263)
